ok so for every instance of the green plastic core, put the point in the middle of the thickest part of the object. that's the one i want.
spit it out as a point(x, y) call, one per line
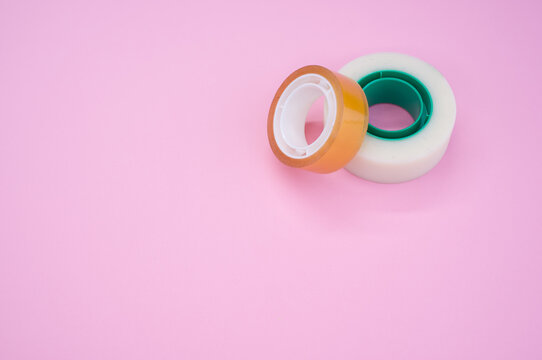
point(401, 89)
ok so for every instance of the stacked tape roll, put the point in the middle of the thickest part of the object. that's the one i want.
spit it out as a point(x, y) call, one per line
point(345, 120)
point(402, 155)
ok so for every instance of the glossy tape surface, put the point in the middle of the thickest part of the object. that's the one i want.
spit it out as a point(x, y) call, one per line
point(349, 129)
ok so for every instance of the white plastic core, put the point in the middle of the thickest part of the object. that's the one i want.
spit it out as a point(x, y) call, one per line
point(291, 114)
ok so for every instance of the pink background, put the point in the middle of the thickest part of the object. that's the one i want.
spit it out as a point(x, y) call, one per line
point(143, 215)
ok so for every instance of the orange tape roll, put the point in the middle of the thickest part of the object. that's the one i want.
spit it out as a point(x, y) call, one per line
point(346, 117)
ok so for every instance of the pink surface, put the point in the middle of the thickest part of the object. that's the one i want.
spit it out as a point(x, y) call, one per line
point(143, 215)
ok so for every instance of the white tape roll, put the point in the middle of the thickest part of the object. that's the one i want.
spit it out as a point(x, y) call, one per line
point(397, 156)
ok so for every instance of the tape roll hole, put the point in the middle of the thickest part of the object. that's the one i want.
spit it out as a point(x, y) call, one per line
point(389, 117)
point(309, 99)
point(314, 122)
point(399, 105)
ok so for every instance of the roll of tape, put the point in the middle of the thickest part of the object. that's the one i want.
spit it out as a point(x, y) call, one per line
point(402, 155)
point(345, 120)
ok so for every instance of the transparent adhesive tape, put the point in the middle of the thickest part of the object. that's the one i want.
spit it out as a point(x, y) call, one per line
point(345, 120)
point(402, 155)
